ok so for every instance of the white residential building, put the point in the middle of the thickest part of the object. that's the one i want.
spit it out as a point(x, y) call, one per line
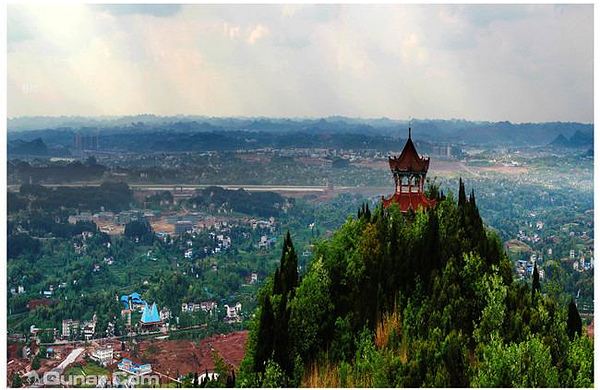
point(103, 356)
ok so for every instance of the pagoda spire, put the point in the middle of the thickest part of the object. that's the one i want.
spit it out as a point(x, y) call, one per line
point(409, 171)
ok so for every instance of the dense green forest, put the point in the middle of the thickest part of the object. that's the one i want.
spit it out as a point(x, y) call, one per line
point(113, 196)
point(425, 299)
point(264, 204)
point(49, 172)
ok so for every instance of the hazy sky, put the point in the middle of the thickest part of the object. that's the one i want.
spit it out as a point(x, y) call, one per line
point(491, 62)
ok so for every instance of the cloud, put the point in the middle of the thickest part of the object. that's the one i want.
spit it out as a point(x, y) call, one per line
point(501, 62)
point(157, 10)
point(232, 32)
point(18, 28)
point(257, 33)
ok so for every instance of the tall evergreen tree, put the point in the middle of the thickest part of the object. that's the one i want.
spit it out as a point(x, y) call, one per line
point(462, 197)
point(288, 270)
point(281, 339)
point(264, 339)
point(431, 254)
point(277, 282)
point(535, 284)
point(573, 321)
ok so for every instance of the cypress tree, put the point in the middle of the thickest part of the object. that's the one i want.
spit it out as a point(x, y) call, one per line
point(573, 321)
point(264, 339)
point(535, 284)
point(281, 336)
point(289, 266)
point(432, 246)
point(277, 283)
point(462, 197)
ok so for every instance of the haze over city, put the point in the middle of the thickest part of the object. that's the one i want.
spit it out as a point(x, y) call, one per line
point(521, 63)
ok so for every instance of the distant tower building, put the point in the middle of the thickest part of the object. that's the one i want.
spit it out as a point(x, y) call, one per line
point(77, 142)
point(85, 142)
point(409, 171)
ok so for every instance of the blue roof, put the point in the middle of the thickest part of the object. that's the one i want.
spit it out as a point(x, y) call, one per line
point(135, 298)
point(150, 315)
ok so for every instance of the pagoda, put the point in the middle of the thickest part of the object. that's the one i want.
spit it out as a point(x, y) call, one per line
point(409, 171)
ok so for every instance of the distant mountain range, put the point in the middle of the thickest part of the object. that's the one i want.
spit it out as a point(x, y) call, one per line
point(577, 140)
point(170, 131)
point(35, 147)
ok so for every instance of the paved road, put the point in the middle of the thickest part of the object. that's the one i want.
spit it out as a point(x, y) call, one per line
point(188, 187)
point(52, 378)
point(68, 360)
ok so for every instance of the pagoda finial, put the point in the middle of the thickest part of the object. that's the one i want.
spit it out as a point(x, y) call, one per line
point(408, 130)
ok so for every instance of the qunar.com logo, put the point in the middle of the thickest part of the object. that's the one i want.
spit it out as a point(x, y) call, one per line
point(117, 379)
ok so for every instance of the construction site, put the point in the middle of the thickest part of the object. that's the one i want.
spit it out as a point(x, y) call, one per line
point(169, 360)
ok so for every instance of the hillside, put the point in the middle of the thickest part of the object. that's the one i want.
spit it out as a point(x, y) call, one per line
point(421, 300)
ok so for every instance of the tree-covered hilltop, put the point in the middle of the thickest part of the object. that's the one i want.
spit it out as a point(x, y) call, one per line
point(423, 299)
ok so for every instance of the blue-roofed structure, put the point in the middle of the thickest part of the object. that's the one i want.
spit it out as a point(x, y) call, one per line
point(150, 316)
point(135, 298)
point(132, 368)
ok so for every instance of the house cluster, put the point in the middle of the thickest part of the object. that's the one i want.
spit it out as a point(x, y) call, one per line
point(329, 153)
point(522, 236)
point(109, 260)
point(252, 278)
point(233, 313)
point(524, 268)
point(81, 217)
point(223, 242)
point(17, 290)
point(37, 332)
point(581, 264)
point(107, 220)
point(262, 224)
point(73, 329)
point(51, 290)
point(266, 242)
point(191, 307)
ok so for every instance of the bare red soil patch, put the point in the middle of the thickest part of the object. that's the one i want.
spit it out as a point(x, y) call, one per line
point(174, 357)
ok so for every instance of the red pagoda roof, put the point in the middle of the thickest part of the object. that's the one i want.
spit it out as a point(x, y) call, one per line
point(409, 200)
point(409, 160)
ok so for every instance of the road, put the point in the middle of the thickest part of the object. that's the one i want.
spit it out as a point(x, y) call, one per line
point(113, 338)
point(252, 188)
point(190, 187)
point(68, 360)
